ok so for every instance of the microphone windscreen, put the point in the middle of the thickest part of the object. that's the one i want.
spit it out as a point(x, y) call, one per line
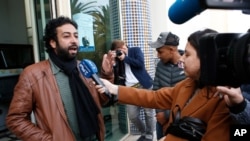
point(183, 10)
point(87, 68)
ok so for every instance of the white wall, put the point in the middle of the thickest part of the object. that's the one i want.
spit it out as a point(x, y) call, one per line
point(220, 20)
point(159, 17)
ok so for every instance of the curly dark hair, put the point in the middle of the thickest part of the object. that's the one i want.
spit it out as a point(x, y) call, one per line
point(50, 29)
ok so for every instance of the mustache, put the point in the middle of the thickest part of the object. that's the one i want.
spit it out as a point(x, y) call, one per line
point(73, 46)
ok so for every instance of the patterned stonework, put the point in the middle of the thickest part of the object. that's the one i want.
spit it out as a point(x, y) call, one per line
point(130, 21)
point(135, 27)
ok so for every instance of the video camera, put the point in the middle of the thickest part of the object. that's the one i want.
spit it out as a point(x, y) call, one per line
point(225, 57)
point(183, 10)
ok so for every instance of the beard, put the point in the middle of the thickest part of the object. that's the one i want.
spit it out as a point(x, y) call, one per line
point(64, 53)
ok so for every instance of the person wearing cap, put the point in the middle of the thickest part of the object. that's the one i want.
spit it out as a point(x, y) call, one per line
point(195, 113)
point(167, 72)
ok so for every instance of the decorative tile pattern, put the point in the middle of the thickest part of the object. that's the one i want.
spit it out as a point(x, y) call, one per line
point(136, 28)
point(130, 21)
point(136, 32)
point(115, 19)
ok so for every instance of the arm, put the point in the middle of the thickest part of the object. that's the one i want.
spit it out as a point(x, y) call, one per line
point(135, 58)
point(18, 119)
point(239, 107)
point(161, 99)
point(241, 112)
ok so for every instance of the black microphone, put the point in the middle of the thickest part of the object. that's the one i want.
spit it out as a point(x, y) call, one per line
point(183, 10)
point(89, 70)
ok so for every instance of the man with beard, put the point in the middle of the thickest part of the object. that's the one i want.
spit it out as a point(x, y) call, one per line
point(65, 104)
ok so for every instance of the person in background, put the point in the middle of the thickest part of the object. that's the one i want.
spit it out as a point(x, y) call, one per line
point(65, 104)
point(167, 72)
point(85, 41)
point(189, 100)
point(237, 100)
point(125, 66)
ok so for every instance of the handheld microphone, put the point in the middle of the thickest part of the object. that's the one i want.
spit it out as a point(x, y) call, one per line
point(89, 70)
point(183, 10)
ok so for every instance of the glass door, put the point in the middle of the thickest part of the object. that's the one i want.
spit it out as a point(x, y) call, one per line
point(43, 12)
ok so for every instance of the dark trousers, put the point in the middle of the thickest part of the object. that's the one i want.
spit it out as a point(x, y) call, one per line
point(159, 131)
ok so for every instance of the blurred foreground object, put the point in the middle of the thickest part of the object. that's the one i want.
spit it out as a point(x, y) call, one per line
point(183, 10)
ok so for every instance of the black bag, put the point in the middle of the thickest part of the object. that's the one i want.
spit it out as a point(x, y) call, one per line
point(187, 127)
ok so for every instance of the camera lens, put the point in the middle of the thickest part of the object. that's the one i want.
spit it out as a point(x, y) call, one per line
point(118, 52)
point(240, 55)
point(225, 59)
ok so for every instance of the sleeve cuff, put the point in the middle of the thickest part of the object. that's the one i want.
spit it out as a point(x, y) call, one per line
point(239, 107)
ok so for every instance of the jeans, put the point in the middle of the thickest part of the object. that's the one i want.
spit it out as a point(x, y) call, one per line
point(159, 131)
point(134, 116)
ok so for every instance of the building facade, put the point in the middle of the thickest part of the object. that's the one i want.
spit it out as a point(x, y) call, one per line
point(137, 22)
point(128, 20)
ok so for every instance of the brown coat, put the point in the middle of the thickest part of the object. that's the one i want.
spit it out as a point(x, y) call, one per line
point(203, 105)
point(37, 91)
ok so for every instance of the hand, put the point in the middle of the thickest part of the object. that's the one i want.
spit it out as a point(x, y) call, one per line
point(232, 96)
point(160, 117)
point(111, 57)
point(108, 63)
point(113, 89)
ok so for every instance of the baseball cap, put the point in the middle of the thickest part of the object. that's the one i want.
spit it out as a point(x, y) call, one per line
point(165, 38)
